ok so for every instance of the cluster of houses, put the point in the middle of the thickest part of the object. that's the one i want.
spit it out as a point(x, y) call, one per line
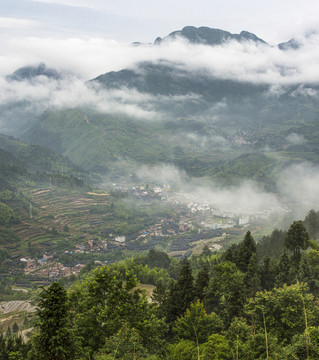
point(92, 245)
point(58, 270)
point(34, 264)
point(150, 191)
point(46, 267)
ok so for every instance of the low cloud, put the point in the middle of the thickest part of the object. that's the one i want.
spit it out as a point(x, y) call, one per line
point(275, 91)
point(305, 91)
point(295, 139)
point(87, 58)
point(298, 185)
point(90, 57)
point(162, 174)
point(246, 198)
point(44, 93)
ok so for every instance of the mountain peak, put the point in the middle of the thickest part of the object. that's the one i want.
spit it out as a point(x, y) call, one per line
point(292, 44)
point(32, 72)
point(209, 36)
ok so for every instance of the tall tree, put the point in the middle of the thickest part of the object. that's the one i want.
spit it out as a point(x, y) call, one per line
point(104, 302)
point(312, 223)
point(252, 278)
point(55, 339)
point(267, 273)
point(13, 348)
point(201, 282)
point(225, 293)
point(283, 310)
point(272, 244)
point(196, 325)
point(246, 249)
point(181, 293)
point(297, 239)
point(283, 273)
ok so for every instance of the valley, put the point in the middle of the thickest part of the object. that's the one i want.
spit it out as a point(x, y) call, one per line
point(163, 207)
point(65, 230)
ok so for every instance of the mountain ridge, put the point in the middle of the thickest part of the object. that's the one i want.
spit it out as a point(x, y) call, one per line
point(209, 36)
point(31, 72)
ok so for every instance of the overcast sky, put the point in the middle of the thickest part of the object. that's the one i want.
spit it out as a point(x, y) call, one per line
point(144, 20)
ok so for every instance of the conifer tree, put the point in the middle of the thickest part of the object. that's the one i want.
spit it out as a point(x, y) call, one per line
point(252, 279)
point(181, 293)
point(246, 249)
point(267, 273)
point(55, 339)
point(283, 274)
point(201, 282)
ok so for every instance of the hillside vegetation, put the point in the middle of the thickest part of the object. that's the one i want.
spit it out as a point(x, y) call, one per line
point(244, 304)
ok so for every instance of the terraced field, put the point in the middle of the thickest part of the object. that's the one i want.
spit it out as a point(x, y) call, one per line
point(20, 313)
point(58, 221)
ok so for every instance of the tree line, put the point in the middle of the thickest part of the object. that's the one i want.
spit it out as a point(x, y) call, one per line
point(247, 303)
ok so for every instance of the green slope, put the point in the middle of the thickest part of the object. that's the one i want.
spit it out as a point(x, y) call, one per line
point(38, 158)
point(93, 140)
point(11, 169)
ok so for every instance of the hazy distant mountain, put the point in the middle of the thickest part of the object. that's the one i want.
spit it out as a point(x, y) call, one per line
point(197, 113)
point(292, 44)
point(10, 169)
point(209, 36)
point(36, 157)
point(32, 72)
point(167, 78)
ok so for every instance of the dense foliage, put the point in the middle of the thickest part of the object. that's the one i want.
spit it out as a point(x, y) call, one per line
point(241, 305)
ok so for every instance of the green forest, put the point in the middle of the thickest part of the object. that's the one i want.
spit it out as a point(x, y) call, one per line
point(253, 301)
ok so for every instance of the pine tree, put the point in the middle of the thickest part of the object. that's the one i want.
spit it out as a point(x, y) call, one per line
point(283, 274)
point(267, 273)
point(181, 294)
point(252, 279)
point(55, 339)
point(201, 282)
point(246, 249)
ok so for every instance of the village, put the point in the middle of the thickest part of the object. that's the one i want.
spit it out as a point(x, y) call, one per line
point(193, 225)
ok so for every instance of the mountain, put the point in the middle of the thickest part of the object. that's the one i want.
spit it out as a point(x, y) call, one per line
point(93, 140)
point(167, 78)
point(209, 36)
point(33, 72)
point(198, 113)
point(17, 112)
point(21, 163)
point(241, 105)
point(10, 169)
point(292, 44)
point(38, 158)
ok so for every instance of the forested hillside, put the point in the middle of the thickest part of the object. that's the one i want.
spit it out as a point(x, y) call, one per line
point(254, 301)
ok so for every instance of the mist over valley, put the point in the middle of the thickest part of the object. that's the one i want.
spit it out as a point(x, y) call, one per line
point(159, 180)
point(177, 144)
point(223, 109)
